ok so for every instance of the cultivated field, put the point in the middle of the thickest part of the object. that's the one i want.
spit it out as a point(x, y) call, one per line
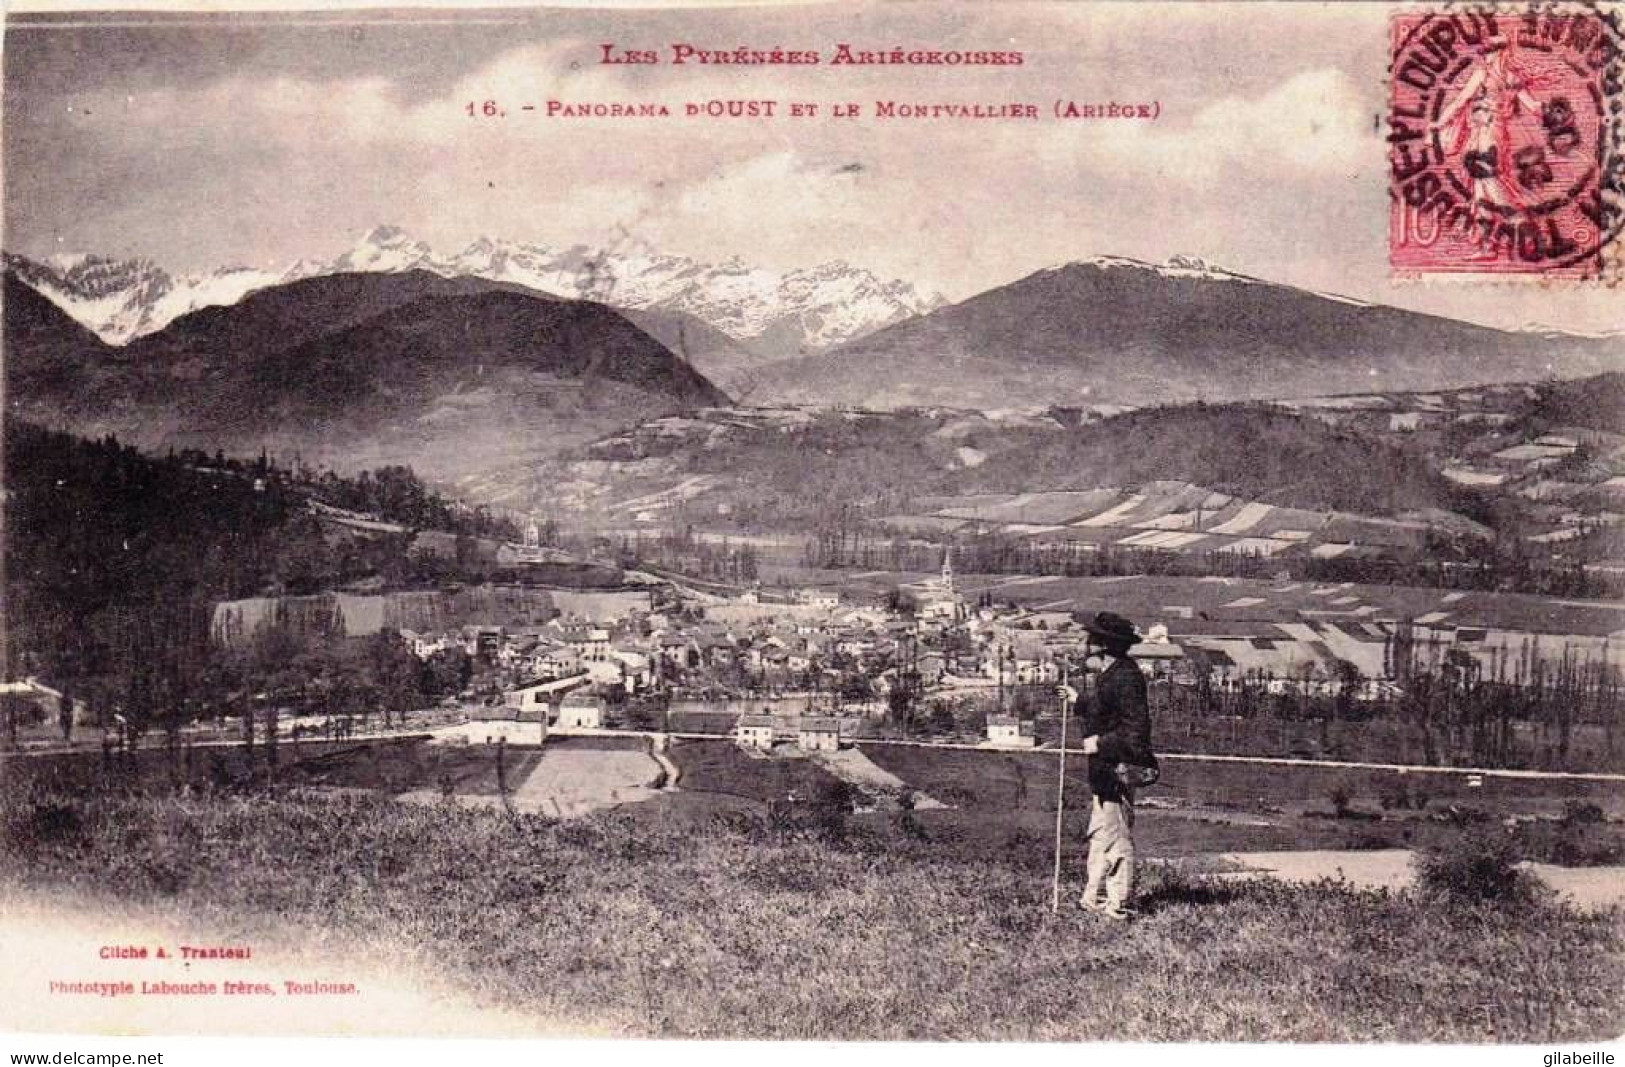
point(1147, 598)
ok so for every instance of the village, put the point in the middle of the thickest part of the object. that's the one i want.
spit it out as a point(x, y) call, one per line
point(814, 668)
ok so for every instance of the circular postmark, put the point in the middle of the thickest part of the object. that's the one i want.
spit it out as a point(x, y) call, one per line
point(1505, 137)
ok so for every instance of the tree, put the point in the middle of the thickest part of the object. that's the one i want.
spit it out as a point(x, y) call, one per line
point(831, 806)
point(900, 701)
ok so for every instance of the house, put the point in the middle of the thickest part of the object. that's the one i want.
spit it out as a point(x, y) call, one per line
point(679, 651)
point(1007, 731)
point(755, 731)
point(519, 651)
point(581, 711)
point(543, 694)
point(1037, 672)
point(819, 734)
point(560, 662)
point(637, 670)
point(426, 645)
point(591, 643)
point(1158, 659)
point(819, 598)
point(482, 641)
point(716, 651)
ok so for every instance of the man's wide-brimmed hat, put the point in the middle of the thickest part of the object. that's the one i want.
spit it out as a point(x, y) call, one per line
point(1109, 627)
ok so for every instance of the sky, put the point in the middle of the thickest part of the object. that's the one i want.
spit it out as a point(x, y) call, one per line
point(258, 139)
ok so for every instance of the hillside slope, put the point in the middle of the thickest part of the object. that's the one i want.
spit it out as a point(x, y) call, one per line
point(787, 469)
point(357, 370)
point(1118, 331)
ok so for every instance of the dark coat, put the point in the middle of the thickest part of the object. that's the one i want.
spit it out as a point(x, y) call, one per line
point(1121, 717)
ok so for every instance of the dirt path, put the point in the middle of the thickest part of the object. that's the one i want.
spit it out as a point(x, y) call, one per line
point(852, 766)
point(570, 782)
point(1588, 888)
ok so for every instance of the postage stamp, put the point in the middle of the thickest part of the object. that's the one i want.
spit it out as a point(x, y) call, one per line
point(1505, 130)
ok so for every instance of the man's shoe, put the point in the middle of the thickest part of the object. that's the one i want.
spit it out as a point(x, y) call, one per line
point(1120, 914)
point(1096, 906)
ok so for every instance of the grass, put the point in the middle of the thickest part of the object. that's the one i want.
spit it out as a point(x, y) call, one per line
point(1001, 803)
point(721, 767)
point(747, 929)
point(1004, 798)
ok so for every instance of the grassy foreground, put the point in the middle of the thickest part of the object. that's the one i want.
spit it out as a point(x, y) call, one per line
point(742, 929)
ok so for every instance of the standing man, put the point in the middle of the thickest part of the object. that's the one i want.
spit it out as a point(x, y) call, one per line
point(1117, 739)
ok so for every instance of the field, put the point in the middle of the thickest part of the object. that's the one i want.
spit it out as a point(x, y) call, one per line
point(659, 927)
point(1147, 599)
point(722, 769)
point(995, 804)
point(570, 776)
point(1003, 803)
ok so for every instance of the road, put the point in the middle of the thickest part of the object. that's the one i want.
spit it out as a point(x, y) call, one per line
point(1193, 757)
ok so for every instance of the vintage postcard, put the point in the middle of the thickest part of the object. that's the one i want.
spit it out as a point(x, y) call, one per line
point(1030, 522)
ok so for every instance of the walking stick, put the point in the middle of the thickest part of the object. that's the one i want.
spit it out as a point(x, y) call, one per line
point(1060, 807)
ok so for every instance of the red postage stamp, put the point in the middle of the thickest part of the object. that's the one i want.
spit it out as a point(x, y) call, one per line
point(1504, 136)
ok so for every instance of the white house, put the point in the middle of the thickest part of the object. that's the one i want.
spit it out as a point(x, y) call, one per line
point(755, 731)
point(544, 695)
point(819, 734)
point(1007, 731)
point(637, 670)
point(557, 663)
point(581, 711)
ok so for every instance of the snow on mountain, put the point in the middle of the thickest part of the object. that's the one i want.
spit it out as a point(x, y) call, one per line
point(121, 299)
point(1195, 268)
point(385, 250)
point(776, 314)
point(797, 311)
point(1175, 267)
point(1543, 329)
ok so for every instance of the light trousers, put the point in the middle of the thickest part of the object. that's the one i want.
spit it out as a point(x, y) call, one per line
point(1111, 852)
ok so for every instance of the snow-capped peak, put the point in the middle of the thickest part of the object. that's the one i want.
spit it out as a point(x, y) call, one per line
point(1557, 331)
point(386, 249)
point(1177, 266)
point(787, 312)
point(120, 299)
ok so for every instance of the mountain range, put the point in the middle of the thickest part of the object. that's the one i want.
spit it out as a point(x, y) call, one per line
point(354, 370)
point(764, 315)
point(384, 361)
point(1117, 331)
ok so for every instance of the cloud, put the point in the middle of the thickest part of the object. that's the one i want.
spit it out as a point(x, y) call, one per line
point(1314, 125)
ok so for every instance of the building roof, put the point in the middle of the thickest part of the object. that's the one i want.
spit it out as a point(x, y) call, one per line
point(820, 724)
point(507, 714)
point(581, 698)
point(555, 685)
point(755, 721)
